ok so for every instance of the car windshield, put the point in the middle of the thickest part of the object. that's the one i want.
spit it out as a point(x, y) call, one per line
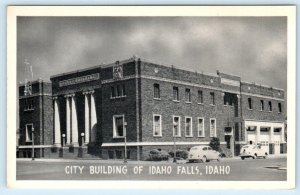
point(194, 148)
point(204, 148)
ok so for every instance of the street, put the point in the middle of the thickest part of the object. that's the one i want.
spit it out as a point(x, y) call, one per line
point(270, 169)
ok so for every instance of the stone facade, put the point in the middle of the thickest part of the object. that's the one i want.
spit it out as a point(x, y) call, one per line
point(93, 109)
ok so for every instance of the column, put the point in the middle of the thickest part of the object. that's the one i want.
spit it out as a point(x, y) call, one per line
point(68, 120)
point(57, 133)
point(257, 134)
point(74, 122)
point(87, 118)
point(271, 140)
point(93, 118)
point(282, 137)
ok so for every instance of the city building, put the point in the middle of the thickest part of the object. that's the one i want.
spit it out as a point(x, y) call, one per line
point(95, 112)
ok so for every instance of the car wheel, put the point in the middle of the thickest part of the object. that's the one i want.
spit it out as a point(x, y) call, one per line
point(219, 158)
point(255, 156)
point(204, 159)
point(243, 158)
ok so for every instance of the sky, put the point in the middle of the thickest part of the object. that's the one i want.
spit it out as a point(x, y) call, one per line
point(254, 48)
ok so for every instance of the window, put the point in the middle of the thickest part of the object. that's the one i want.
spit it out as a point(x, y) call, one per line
point(228, 99)
point(200, 97)
point(262, 106)
point(157, 125)
point(118, 126)
point(249, 103)
point(187, 95)
point(265, 129)
point(156, 91)
point(201, 127)
point(188, 127)
point(28, 104)
point(176, 126)
point(212, 98)
point(175, 94)
point(270, 106)
point(118, 91)
point(29, 128)
point(278, 129)
point(112, 89)
point(279, 108)
point(213, 132)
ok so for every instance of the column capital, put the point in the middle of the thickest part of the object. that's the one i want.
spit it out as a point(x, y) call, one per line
point(69, 95)
point(88, 92)
point(238, 96)
point(54, 98)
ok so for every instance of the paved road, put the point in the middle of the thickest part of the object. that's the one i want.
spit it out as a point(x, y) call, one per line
point(226, 170)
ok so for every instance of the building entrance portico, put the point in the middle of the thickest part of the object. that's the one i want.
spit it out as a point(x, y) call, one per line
point(67, 108)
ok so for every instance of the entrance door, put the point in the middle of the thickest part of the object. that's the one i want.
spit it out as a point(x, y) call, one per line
point(229, 139)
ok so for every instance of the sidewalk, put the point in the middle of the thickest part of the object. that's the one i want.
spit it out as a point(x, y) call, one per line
point(121, 161)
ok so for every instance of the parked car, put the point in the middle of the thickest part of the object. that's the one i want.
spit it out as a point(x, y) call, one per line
point(203, 153)
point(252, 151)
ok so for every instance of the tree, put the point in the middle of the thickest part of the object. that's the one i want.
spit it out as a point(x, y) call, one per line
point(215, 143)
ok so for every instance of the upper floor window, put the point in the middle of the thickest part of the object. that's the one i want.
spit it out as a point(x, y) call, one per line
point(175, 94)
point(228, 99)
point(212, 98)
point(176, 126)
point(28, 104)
point(200, 96)
point(279, 108)
point(250, 103)
point(118, 91)
point(156, 91)
point(118, 126)
point(157, 125)
point(188, 127)
point(270, 106)
point(29, 128)
point(262, 106)
point(187, 95)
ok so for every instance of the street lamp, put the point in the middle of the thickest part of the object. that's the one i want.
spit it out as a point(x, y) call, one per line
point(82, 139)
point(32, 137)
point(63, 139)
point(174, 139)
point(125, 146)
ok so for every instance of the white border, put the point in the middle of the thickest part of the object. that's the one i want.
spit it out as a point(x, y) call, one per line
point(13, 12)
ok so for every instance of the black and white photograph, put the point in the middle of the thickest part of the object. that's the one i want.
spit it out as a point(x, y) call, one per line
point(109, 95)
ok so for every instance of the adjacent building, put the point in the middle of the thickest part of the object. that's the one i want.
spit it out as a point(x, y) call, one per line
point(90, 112)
